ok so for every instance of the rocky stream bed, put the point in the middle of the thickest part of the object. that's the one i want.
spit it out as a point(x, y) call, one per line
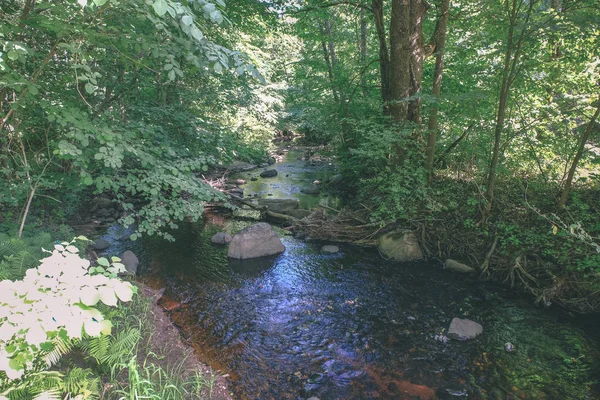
point(310, 323)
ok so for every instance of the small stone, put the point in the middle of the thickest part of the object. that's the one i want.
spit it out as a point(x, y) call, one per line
point(330, 249)
point(455, 266)
point(254, 179)
point(100, 244)
point(509, 347)
point(221, 238)
point(464, 329)
point(269, 173)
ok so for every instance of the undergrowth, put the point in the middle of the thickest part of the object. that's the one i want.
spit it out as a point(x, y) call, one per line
point(122, 365)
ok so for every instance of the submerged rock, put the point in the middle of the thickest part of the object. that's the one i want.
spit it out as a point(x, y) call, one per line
point(464, 329)
point(279, 205)
point(221, 238)
point(258, 240)
point(455, 266)
point(130, 261)
point(269, 173)
point(400, 246)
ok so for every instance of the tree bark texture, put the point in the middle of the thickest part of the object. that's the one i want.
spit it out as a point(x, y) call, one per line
point(384, 55)
point(417, 55)
point(439, 45)
point(399, 60)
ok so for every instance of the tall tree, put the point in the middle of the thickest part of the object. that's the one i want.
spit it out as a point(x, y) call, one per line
point(439, 43)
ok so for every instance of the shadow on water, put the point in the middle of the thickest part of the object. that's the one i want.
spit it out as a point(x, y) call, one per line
point(354, 326)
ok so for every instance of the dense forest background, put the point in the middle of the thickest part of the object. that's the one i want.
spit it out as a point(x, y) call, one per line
point(474, 122)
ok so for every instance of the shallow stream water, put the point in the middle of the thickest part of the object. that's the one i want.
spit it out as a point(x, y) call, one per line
point(354, 326)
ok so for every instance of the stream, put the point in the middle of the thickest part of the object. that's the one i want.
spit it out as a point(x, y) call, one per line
point(352, 325)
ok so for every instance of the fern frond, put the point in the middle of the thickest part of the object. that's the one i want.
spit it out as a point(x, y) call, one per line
point(83, 382)
point(61, 347)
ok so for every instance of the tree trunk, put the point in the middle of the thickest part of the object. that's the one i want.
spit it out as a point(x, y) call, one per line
point(440, 40)
point(416, 43)
point(400, 55)
point(582, 142)
point(509, 71)
point(331, 58)
point(384, 55)
point(363, 49)
point(329, 71)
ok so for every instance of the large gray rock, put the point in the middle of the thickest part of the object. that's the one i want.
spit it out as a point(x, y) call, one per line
point(100, 244)
point(258, 240)
point(221, 238)
point(279, 205)
point(455, 266)
point(298, 213)
point(464, 329)
point(240, 166)
point(130, 261)
point(312, 189)
point(400, 246)
point(269, 173)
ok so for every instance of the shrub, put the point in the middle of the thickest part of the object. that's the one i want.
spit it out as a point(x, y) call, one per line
point(52, 307)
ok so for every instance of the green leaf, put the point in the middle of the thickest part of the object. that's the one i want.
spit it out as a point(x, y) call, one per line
point(32, 89)
point(160, 7)
point(89, 88)
point(100, 2)
point(133, 237)
point(88, 180)
point(187, 20)
point(103, 261)
point(82, 3)
point(171, 75)
point(13, 54)
point(218, 67)
point(197, 33)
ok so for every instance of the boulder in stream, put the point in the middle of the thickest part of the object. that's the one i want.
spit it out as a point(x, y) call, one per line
point(268, 173)
point(130, 261)
point(400, 246)
point(455, 266)
point(100, 244)
point(464, 329)
point(279, 205)
point(258, 240)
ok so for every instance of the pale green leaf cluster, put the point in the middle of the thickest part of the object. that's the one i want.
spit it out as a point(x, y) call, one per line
point(55, 301)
